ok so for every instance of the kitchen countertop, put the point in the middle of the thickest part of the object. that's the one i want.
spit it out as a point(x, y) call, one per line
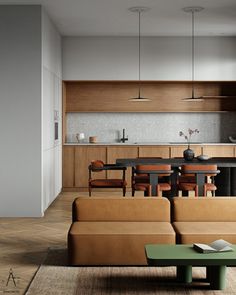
point(146, 143)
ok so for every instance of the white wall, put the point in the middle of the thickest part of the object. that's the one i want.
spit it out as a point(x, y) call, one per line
point(51, 102)
point(30, 91)
point(20, 110)
point(162, 58)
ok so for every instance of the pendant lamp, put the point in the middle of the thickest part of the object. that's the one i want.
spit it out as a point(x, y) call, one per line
point(139, 10)
point(193, 10)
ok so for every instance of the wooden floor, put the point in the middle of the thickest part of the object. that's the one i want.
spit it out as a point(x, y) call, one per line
point(24, 242)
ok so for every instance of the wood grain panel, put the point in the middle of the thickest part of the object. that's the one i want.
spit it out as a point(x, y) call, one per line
point(219, 151)
point(114, 153)
point(68, 167)
point(154, 151)
point(166, 96)
point(83, 157)
point(177, 151)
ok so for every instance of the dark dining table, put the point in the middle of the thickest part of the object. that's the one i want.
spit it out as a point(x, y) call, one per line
point(225, 181)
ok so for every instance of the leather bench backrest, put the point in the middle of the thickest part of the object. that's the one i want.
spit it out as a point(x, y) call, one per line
point(121, 209)
point(204, 209)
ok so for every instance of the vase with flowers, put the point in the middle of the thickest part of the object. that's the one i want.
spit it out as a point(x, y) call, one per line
point(188, 153)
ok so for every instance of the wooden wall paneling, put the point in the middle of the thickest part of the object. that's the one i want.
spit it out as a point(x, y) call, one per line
point(166, 96)
point(114, 153)
point(68, 167)
point(177, 151)
point(154, 151)
point(83, 157)
point(219, 151)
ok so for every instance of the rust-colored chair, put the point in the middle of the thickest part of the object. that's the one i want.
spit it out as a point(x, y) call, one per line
point(146, 187)
point(186, 182)
point(98, 166)
point(140, 181)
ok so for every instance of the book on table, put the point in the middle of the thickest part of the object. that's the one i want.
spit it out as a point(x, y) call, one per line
point(214, 247)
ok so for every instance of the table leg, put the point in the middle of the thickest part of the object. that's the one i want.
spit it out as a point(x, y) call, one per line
point(217, 277)
point(174, 181)
point(153, 181)
point(200, 183)
point(184, 273)
point(208, 273)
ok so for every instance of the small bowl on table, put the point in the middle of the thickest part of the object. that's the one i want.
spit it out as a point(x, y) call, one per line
point(203, 158)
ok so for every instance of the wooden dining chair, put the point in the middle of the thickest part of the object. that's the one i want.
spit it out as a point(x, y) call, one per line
point(188, 181)
point(161, 186)
point(98, 166)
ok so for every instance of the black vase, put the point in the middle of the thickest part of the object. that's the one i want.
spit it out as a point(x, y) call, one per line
point(188, 154)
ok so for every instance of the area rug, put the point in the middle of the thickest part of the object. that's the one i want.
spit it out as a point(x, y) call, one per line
point(55, 278)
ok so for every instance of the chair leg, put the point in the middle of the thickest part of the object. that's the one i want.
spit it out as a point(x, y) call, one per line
point(196, 191)
point(149, 190)
point(205, 191)
point(133, 191)
point(158, 190)
point(90, 191)
point(124, 191)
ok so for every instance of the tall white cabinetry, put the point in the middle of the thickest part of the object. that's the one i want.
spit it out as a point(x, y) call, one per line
point(52, 112)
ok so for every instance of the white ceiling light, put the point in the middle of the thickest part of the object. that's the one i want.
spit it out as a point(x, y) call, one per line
point(192, 10)
point(139, 10)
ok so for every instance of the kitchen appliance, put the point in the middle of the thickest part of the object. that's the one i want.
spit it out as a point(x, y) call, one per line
point(56, 126)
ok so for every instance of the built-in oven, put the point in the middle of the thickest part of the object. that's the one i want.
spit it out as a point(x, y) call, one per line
point(56, 126)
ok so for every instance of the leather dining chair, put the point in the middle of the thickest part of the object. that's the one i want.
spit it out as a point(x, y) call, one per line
point(140, 181)
point(161, 186)
point(188, 183)
point(98, 166)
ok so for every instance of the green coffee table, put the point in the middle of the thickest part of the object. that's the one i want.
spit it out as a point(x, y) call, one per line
point(184, 257)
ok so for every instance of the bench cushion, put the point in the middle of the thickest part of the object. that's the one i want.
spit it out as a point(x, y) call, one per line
point(204, 209)
point(204, 232)
point(115, 243)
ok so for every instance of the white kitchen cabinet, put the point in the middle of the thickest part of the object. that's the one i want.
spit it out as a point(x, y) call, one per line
point(48, 109)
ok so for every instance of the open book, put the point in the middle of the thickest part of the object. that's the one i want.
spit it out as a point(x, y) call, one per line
point(216, 246)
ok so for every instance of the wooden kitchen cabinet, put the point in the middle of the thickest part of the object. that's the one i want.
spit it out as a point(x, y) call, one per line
point(219, 150)
point(83, 157)
point(68, 166)
point(114, 153)
point(154, 151)
point(177, 151)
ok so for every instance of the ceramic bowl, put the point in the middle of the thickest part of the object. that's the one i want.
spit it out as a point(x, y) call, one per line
point(203, 158)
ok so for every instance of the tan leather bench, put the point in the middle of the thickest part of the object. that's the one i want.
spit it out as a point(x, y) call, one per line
point(204, 219)
point(114, 231)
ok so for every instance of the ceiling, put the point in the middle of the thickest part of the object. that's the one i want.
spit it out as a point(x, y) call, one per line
point(112, 17)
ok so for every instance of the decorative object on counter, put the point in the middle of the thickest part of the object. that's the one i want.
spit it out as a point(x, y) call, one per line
point(203, 158)
point(138, 10)
point(93, 139)
point(80, 137)
point(232, 139)
point(188, 153)
point(193, 10)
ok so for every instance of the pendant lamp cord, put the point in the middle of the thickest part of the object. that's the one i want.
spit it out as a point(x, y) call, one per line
point(139, 33)
point(193, 53)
